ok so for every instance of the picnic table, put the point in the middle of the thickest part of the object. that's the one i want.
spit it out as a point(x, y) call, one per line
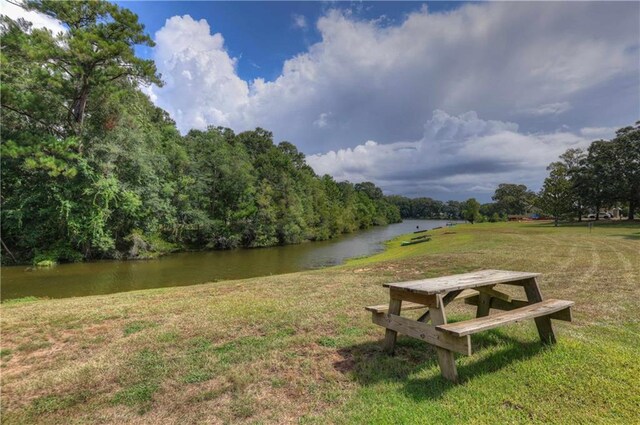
point(476, 288)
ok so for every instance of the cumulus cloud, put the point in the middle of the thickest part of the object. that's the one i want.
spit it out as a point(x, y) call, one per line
point(202, 87)
point(461, 155)
point(542, 65)
point(38, 20)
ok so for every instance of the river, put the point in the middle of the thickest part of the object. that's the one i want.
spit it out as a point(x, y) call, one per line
point(190, 268)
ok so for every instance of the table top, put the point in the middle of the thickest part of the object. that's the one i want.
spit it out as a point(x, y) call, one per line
point(456, 282)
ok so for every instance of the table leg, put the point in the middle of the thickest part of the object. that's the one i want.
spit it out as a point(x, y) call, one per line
point(484, 305)
point(545, 330)
point(446, 360)
point(390, 335)
point(446, 300)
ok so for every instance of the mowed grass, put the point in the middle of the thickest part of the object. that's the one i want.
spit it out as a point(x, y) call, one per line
point(299, 348)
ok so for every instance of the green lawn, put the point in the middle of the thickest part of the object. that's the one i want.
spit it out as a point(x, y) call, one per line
point(300, 347)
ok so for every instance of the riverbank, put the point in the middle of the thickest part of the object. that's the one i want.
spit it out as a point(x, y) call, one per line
point(300, 348)
point(192, 268)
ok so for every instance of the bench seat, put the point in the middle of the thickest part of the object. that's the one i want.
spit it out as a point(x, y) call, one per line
point(542, 308)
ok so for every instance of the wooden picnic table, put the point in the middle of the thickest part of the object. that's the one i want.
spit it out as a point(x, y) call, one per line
point(476, 288)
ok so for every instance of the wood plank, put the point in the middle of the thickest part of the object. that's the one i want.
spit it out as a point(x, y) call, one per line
point(541, 309)
point(461, 281)
point(447, 299)
point(484, 305)
point(493, 293)
point(499, 304)
point(423, 332)
point(383, 308)
point(446, 360)
point(545, 329)
point(467, 293)
point(413, 297)
point(390, 335)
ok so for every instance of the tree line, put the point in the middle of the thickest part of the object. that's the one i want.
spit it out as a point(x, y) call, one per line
point(92, 169)
point(605, 175)
point(509, 199)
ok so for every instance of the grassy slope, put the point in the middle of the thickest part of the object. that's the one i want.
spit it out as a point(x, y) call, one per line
point(299, 347)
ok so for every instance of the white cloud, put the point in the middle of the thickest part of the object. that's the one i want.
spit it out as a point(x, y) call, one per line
point(299, 21)
point(456, 154)
point(512, 61)
point(202, 86)
point(38, 20)
point(323, 120)
point(596, 133)
point(549, 109)
point(550, 65)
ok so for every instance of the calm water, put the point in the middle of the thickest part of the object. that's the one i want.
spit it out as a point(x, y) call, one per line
point(190, 268)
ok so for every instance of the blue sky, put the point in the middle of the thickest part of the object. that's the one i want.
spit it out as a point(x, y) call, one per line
point(442, 99)
point(262, 35)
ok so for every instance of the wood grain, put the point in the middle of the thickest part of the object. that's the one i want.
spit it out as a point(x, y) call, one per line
point(424, 332)
point(472, 280)
point(537, 310)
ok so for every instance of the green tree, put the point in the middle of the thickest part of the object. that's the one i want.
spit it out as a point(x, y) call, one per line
point(598, 176)
point(471, 210)
point(96, 50)
point(627, 167)
point(513, 198)
point(572, 160)
point(556, 197)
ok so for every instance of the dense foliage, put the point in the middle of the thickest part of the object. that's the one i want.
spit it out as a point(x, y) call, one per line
point(606, 175)
point(92, 169)
point(425, 208)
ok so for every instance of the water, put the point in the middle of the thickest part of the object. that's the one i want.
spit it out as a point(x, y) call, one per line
point(190, 268)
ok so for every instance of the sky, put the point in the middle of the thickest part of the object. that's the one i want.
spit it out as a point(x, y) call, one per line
point(439, 99)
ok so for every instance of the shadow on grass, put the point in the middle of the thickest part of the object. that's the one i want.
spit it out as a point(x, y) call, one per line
point(370, 365)
point(633, 236)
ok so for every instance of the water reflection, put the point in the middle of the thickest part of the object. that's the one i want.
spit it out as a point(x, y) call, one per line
point(189, 268)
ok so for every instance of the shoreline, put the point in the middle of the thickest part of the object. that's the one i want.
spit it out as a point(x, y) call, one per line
point(197, 267)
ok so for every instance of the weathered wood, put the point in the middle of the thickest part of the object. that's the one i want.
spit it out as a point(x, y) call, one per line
point(564, 315)
point(462, 281)
point(493, 293)
point(423, 332)
point(390, 335)
point(383, 308)
point(537, 310)
point(499, 304)
point(484, 305)
point(413, 297)
point(446, 359)
point(545, 329)
point(451, 296)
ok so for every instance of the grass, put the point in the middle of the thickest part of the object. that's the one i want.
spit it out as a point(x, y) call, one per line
point(299, 348)
point(136, 326)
